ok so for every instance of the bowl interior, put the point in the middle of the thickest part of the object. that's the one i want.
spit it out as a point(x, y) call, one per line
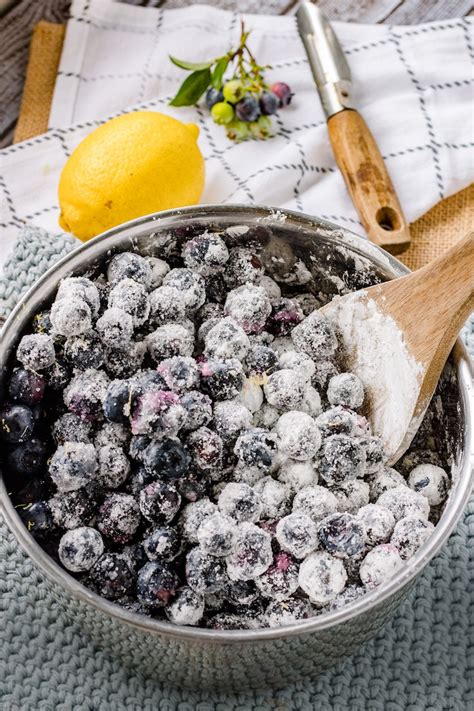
point(329, 261)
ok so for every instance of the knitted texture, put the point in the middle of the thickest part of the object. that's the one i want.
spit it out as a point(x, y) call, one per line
point(35, 251)
point(422, 660)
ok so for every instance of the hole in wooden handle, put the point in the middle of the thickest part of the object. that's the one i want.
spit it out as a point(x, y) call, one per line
point(388, 219)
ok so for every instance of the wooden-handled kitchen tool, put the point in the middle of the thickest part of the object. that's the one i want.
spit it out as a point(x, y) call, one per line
point(355, 150)
point(398, 336)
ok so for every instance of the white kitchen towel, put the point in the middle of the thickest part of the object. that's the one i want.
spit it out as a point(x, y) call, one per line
point(413, 85)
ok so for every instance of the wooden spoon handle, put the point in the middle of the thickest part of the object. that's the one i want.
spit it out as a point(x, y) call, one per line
point(368, 181)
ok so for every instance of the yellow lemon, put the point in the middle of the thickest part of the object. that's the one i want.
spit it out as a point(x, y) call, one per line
point(132, 165)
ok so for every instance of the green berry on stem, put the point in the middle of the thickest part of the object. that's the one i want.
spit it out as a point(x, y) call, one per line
point(233, 90)
point(261, 128)
point(222, 112)
point(238, 130)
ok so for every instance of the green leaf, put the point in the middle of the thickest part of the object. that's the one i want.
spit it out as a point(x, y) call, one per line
point(192, 88)
point(219, 71)
point(191, 66)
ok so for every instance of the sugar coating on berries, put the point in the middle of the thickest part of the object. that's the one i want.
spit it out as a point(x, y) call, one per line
point(402, 501)
point(80, 288)
point(165, 306)
point(205, 573)
point(316, 501)
point(256, 447)
point(240, 502)
point(113, 466)
point(261, 359)
point(274, 496)
point(70, 428)
point(226, 340)
point(285, 389)
point(217, 534)
point(285, 612)
point(230, 419)
point(206, 449)
point(71, 509)
point(431, 481)
point(156, 584)
point(85, 393)
point(243, 267)
point(322, 577)
point(80, 548)
point(186, 608)
point(383, 480)
point(311, 404)
point(190, 287)
point(342, 535)
point(378, 523)
point(341, 459)
point(205, 254)
point(118, 517)
point(280, 580)
point(249, 306)
point(296, 475)
point(168, 341)
point(300, 362)
point(71, 317)
point(315, 336)
point(159, 502)
point(180, 373)
point(338, 420)
point(297, 533)
point(198, 408)
point(73, 465)
point(114, 327)
point(129, 265)
point(409, 534)
point(252, 554)
point(36, 351)
point(159, 269)
point(352, 495)
point(112, 576)
point(346, 389)
point(299, 436)
point(162, 543)
point(112, 433)
point(131, 297)
point(380, 564)
point(193, 515)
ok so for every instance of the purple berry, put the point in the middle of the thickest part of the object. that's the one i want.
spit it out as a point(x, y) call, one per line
point(286, 313)
point(26, 387)
point(112, 576)
point(28, 457)
point(163, 543)
point(159, 502)
point(269, 103)
point(16, 423)
point(156, 584)
point(247, 109)
point(283, 92)
point(118, 517)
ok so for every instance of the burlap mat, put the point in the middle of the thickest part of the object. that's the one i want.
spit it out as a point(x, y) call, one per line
point(432, 234)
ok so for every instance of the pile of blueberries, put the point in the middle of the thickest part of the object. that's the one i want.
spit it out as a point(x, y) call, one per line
point(179, 433)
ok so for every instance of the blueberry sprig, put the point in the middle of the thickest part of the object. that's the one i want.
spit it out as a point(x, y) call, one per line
point(242, 103)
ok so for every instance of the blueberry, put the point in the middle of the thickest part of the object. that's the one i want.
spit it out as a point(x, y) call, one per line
point(71, 509)
point(193, 485)
point(37, 518)
point(128, 265)
point(112, 576)
point(80, 549)
point(206, 449)
point(198, 408)
point(283, 93)
point(16, 423)
point(73, 465)
point(213, 96)
point(70, 428)
point(256, 448)
point(58, 376)
point(138, 445)
point(26, 387)
point(286, 313)
point(342, 535)
point(116, 403)
point(163, 543)
point(159, 502)
point(205, 573)
point(166, 458)
point(119, 517)
point(156, 584)
point(28, 458)
point(222, 380)
point(342, 458)
point(36, 351)
point(84, 351)
point(261, 360)
point(247, 109)
point(269, 103)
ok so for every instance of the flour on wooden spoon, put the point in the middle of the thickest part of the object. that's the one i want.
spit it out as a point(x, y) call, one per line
point(376, 351)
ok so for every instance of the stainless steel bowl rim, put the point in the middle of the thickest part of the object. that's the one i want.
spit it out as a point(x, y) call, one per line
point(457, 500)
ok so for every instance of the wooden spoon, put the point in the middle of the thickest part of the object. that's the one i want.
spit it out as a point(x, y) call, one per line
point(398, 336)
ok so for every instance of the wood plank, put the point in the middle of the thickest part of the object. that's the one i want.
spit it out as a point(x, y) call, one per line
point(410, 12)
point(363, 11)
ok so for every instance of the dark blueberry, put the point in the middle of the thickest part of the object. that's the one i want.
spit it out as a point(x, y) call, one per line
point(256, 448)
point(222, 380)
point(148, 380)
point(111, 576)
point(283, 92)
point(205, 573)
point(261, 360)
point(71, 509)
point(193, 485)
point(285, 314)
point(138, 480)
point(156, 584)
point(83, 352)
point(342, 535)
point(70, 428)
point(28, 458)
point(205, 448)
point(159, 502)
point(119, 517)
point(26, 387)
point(213, 96)
point(341, 459)
point(129, 265)
point(37, 518)
point(58, 376)
point(16, 423)
point(269, 103)
point(241, 592)
point(247, 109)
point(117, 400)
point(166, 458)
point(163, 543)
point(42, 322)
point(138, 445)
point(198, 408)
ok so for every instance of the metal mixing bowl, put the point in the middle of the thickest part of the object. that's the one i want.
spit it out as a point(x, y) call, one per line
point(187, 656)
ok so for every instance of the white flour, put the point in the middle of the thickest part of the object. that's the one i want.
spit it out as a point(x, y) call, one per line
point(376, 351)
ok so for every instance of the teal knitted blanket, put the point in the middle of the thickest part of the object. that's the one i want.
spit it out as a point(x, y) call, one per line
point(423, 660)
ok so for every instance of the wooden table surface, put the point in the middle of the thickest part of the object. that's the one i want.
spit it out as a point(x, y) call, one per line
point(18, 17)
